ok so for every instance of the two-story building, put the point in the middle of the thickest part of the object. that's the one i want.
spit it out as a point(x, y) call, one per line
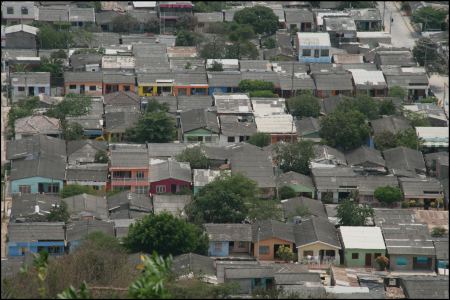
point(313, 47)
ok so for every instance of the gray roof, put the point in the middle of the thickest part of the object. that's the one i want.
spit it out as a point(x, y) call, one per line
point(395, 58)
point(197, 119)
point(37, 124)
point(142, 16)
point(30, 78)
point(403, 158)
point(248, 272)
point(436, 156)
point(77, 14)
point(190, 78)
point(121, 227)
point(425, 287)
point(253, 162)
point(75, 146)
point(24, 206)
point(186, 103)
point(315, 207)
point(170, 169)
point(300, 82)
point(83, 77)
point(441, 247)
point(173, 204)
point(88, 172)
point(122, 98)
point(395, 76)
point(333, 81)
point(315, 230)
point(102, 39)
point(37, 231)
point(416, 187)
point(165, 150)
point(90, 121)
point(170, 100)
point(329, 105)
point(82, 59)
point(46, 166)
point(78, 230)
point(294, 178)
point(115, 78)
point(296, 278)
point(137, 158)
point(231, 126)
point(307, 126)
point(389, 216)
point(17, 12)
point(365, 14)
point(190, 262)
point(150, 50)
point(255, 65)
point(129, 200)
point(224, 79)
point(229, 232)
point(118, 122)
point(232, 104)
point(408, 239)
point(35, 146)
point(150, 78)
point(296, 16)
point(272, 229)
point(180, 63)
point(339, 24)
point(393, 124)
point(53, 14)
point(105, 17)
point(209, 17)
point(364, 155)
point(265, 76)
point(84, 203)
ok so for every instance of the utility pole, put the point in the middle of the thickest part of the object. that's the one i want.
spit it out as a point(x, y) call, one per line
point(390, 23)
point(384, 11)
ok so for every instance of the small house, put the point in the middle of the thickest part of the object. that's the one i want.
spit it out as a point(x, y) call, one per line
point(300, 19)
point(32, 207)
point(38, 124)
point(118, 121)
point(52, 14)
point(115, 82)
point(313, 47)
point(30, 84)
point(21, 36)
point(33, 146)
point(93, 175)
point(413, 79)
point(87, 207)
point(22, 12)
point(419, 287)
point(361, 245)
point(308, 129)
point(81, 17)
point(370, 83)
point(84, 83)
point(365, 159)
point(249, 278)
point(367, 19)
point(229, 239)
point(83, 151)
point(302, 207)
point(301, 184)
point(223, 82)
point(129, 205)
point(342, 30)
point(104, 19)
point(393, 124)
point(268, 236)
point(205, 19)
point(204, 176)
point(404, 161)
point(233, 104)
point(92, 122)
point(426, 190)
point(333, 83)
point(155, 84)
point(89, 62)
point(233, 130)
point(199, 125)
point(169, 176)
point(165, 150)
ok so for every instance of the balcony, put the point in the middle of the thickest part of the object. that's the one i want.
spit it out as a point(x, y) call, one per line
point(129, 180)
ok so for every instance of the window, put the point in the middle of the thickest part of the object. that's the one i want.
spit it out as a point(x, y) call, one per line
point(160, 188)
point(10, 10)
point(355, 255)
point(41, 90)
point(140, 174)
point(24, 10)
point(306, 52)
point(53, 188)
point(141, 190)
point(92, 88)
point(191, 139)
point(217, 246)
point(126, 88)
point(25, 189)
point(208, 138)
point(72, 87)
point(316, 53)
point(264, 250)
point(325, 52)
point(21, 89)
point(241, 245)
point(231, 139)
point(147, 89)
point(308, 253)
point(401, 261)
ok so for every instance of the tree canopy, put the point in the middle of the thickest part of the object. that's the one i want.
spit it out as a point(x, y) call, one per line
point(73, 105)
point(223, 200)
point(344, 129)
point(195, 157)
point(125, 23)
point(167, 235)
point(186, 38)
point(304, 105)
point(362, 103)
point(286, 192)
point(249, 85)
point(260, 139)
point(72, 131)
point(49, 37)
point(397, 91)
point(387, 108)
point(350, 213)
point(76, 189)
point(101, 157)
point(152, 127)
point(59, 213)
point(294, 156)
point(430, 18)
point(262, 19)
point(388, 194)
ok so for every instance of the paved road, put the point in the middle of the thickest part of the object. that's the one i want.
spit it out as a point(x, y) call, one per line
point(401, 31)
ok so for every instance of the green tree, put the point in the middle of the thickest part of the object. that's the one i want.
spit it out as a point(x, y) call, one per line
point(344, 130)
point(241, 33)
point(260, 139)
point(270, 43)
point(304, 105)
point(294, 156)
point(209, 6)
point(125, 23)
point(362, 103)
point(53, 65)
point(430, 18)
point(263, 19)
point(388, 194)
point(385, 140)
point(61, 53)
point(73, 105)
point(425, 49)
point(417, 119)
point(286, 192)
point(213, 49)
point(248, 85)
point(216, 66)
point(285, 253)
point(223, 200)
point(152, 25)
point(76, 189)
point(408, 138)
point(263, 94)
point(357, 4)
point(186, 22)
point(432, 100)
point(73, 131)
point(241, 50)
point(50, 38)
point(155, 106)
point(398, 92)
point(151, 284)
point(152, 127)
point(349, 213)
point(101, 157)
point(387, 108)
point(167, 235)
point(195, 157)
point(23, 108)
point(59, 213)
point(185, 38)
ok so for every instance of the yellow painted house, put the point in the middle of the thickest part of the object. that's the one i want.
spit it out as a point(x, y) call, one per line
point(155, 84)
point(317, 241)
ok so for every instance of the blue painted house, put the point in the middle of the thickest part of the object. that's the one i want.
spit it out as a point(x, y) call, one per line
point(229, 239)
point(223, 82)
point(44, 174)
point(313, 47)
point(35, 237)
point(29, 84)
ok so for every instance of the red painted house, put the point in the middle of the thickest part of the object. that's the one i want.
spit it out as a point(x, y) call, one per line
point(169, 176)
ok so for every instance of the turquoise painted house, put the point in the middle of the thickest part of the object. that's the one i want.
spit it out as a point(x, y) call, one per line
point(41, 175)
point(199, 125)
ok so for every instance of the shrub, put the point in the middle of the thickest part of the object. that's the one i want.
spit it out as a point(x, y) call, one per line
point(286, 192)
point(405, 204)
point(438, 231)
point(382, 262)
point(412, 203)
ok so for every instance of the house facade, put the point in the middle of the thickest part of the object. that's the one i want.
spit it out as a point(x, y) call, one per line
point(169, 176)
point(22, 12)
point(313, 47)
point(229, 239)
point(84, 83)
point(29, 84)
point(117, 82)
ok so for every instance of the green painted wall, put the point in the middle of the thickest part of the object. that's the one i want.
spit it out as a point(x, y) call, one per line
point(361, 261)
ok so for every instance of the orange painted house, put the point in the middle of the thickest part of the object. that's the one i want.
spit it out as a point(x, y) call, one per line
point(118, 82)
point(190, 83)
point(85, 83)
point(268, 236)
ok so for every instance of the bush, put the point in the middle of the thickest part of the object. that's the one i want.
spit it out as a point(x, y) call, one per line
point(405, 204)
point(260, 139)
point(382, 262)
point(76, 189)
point(420, 203)
point(286, 192)
point(285, 253)
point(388, 194)
point(248, 85)
point(304, 106)
point(438, 231)
point(412, 203)
point(263, 94)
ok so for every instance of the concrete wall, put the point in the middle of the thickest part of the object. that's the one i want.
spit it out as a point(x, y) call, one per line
point(271, 244)
point(406, 262)
point(16, 94)
point(20, 40)
point(33, 182)
point(98, 88)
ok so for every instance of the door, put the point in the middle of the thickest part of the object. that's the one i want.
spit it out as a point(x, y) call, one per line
point(31, 91)
point(40, 187)
point(368, 260)
point(82, 88)
point(173, 188)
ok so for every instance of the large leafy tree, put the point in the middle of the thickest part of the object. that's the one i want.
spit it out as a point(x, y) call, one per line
point(260, 139)
point(362, 103)
point(344, 129)
point(305, 105)
point(73, 131)
point(185, 38)
point(153, 127)
point(350, 213)
point(223, 200)
point(213, 49)
point(397, 91)
point(167, 235)
point(387, 108)
point(73, 105)
point(262, 19)
point(407, 138)
point(388, 194)
point(186, 22)
point(195, 157)
point(240, 50)
point(50, 38)
point(294, 156)
point(430, 18)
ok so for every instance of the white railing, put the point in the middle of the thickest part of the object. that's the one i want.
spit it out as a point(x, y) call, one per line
point(324, 260)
